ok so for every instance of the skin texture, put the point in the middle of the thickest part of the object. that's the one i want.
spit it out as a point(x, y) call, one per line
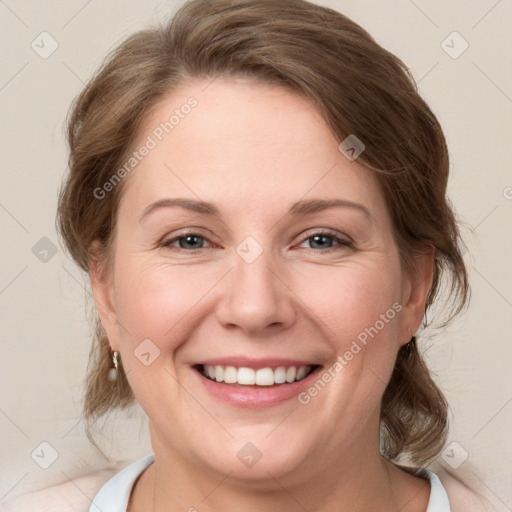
point(253, 150)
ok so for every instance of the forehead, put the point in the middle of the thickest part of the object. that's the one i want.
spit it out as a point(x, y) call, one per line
point(244, 146)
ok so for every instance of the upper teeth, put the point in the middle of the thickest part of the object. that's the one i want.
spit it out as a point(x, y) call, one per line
point(250, 377)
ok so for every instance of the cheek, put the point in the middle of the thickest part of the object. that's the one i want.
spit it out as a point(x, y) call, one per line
point(358, 310)
point(354, 297)
point(155, 310)
point(157, 301)
point(145, 306)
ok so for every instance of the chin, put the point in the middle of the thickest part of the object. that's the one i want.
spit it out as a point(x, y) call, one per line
point(255, 458)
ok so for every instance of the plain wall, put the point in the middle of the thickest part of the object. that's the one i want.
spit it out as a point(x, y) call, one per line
point(45, 337)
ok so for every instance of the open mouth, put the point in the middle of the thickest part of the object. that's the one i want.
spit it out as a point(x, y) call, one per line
point(251, 377)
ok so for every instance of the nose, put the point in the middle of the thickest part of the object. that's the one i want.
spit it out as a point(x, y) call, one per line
point(256, 297)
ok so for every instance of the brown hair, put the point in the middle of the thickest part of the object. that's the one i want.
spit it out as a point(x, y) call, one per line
point(359, 88)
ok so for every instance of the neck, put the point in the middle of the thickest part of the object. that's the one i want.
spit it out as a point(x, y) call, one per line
point(355, 479)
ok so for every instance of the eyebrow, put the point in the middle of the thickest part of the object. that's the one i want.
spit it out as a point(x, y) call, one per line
point(299, 209)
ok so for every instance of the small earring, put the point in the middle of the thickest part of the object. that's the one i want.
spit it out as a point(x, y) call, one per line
point(410, 344)
point(112, 373)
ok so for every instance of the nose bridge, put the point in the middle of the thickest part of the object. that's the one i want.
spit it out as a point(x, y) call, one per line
point(256, 296)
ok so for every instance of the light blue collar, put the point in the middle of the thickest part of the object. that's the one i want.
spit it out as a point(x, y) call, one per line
point(115, 493)
point(438, 501)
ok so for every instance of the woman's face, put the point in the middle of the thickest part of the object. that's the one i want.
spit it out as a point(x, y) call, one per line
point(271, 280)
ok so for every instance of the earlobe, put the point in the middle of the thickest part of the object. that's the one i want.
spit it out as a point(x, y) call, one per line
point(416, 291)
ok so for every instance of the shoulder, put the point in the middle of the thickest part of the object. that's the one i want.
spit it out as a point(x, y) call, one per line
point(464, 491)
point(70, 495)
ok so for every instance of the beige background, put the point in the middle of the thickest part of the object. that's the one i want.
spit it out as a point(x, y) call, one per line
point(45, 336)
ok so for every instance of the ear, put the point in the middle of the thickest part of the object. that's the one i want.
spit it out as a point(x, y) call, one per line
point(102, 289)
point(415, 289)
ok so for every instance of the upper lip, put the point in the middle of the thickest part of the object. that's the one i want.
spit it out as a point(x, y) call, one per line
point(255, 363)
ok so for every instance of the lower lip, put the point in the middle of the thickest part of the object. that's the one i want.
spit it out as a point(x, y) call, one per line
point(255, 396)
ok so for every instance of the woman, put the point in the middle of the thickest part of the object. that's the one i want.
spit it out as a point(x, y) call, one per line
point(257, 192)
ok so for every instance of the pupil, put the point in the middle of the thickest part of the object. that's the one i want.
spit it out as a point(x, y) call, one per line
point(317, 237)
point(188, 238)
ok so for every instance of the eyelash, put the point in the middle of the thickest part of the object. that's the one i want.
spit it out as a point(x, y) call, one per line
point(342, 244)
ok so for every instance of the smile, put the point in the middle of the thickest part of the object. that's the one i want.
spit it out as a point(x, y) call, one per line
point(255, 384)
point(245, 376)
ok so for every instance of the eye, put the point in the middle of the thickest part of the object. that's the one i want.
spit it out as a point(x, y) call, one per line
point(194, 242)
point(186, 241)
point(321, 241)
